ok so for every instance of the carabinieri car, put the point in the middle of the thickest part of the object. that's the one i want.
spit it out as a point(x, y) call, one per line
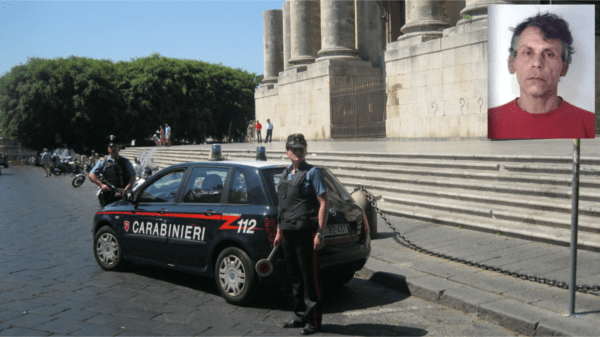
point(218, 219)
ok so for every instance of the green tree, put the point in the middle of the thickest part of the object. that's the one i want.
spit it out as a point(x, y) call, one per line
point(85, 100)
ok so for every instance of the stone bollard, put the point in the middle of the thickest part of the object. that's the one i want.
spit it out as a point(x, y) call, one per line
point(362, 201)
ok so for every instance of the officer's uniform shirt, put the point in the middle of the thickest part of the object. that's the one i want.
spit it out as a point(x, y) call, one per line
point(315, 181)
point(99, 166)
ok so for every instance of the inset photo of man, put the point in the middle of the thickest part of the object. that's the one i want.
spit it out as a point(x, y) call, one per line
point(541, 71)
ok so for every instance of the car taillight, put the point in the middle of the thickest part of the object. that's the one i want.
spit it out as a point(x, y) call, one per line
point(366, 224)
point(270, 228)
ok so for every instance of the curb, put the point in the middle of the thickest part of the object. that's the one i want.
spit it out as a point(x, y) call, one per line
point(514, 315)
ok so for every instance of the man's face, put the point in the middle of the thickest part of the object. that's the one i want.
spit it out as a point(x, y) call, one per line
point(538, 64)
point(296, 154)
point(113, 150)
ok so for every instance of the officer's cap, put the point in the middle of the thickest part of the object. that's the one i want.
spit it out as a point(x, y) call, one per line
point(295, 140)
point(111, 140)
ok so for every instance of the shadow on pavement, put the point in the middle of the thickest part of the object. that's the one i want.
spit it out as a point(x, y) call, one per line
point(384, 235)
point(366, 329)
point(355, 295)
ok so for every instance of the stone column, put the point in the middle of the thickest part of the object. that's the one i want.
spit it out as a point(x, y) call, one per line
point(273, 44)
point(305, 31)
point(476, 10)
point(337, 30)
point(369, 31)
point(287, 43)
point(426, 18)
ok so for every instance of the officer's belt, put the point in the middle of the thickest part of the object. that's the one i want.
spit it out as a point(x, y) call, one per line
point(301, 221)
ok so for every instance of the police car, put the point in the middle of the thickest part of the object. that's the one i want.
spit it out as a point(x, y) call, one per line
point(218, 219)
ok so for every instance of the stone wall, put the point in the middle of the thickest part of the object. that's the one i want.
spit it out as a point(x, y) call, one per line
point(300, 101)
point(438, 89)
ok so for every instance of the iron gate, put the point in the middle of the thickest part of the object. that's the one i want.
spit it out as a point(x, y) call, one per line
point(358, 109)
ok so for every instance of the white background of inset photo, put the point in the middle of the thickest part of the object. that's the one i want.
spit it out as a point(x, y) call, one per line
point(577, 87)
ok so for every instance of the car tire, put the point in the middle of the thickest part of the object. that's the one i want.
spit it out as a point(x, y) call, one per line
point(235, 277)
point(77, 181)
point(108, 250)
point(337, 278)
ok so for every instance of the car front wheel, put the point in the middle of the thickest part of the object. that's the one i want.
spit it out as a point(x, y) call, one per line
point(235, 278)
point(107, 250)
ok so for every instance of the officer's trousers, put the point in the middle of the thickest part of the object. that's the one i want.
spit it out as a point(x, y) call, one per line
point(302, 264)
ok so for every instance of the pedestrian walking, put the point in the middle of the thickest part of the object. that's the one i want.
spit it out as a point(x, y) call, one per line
point(46, 162)
point(258, 131)
point(303, 205)
point(167, 135)
point(161, 132)
point(250, 131)
point(269, 137)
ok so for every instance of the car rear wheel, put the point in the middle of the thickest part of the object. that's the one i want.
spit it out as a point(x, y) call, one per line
point(234, 275)
point(107, 250)
point(77, 181)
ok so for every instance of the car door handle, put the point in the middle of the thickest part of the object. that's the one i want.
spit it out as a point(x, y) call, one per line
point(163, 210)
point(210, 212)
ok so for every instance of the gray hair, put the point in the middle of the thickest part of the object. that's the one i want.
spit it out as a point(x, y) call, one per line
point(552, 27)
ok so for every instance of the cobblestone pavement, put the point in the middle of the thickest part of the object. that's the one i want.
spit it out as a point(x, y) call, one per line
point(51, 284)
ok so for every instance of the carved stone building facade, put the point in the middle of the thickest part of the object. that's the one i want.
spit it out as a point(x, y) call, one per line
point(326, 61)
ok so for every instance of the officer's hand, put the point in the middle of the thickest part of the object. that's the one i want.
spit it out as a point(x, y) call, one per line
point(318, 242)
point(277, 241)
point(105, 188)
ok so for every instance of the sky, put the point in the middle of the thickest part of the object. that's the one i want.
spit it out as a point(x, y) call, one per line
point(227, 32)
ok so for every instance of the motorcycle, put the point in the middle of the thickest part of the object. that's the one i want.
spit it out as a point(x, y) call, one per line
point(80, 178)
point(61, 162)
point(146, 173)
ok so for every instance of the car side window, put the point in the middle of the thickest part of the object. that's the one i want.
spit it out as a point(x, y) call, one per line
point(238, 192)
point(164, 189)
point(205, 185)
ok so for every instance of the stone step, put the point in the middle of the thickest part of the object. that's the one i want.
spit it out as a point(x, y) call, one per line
point(556, 219)
point(436, 184)
point(542, 165)
point(538, 167)
point(537, 204)
point(557, 236)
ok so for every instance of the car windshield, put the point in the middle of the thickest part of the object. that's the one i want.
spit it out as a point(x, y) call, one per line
point(335, 190)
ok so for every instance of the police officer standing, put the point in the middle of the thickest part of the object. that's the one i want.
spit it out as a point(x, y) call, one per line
point(117, 170)
point(303, 205)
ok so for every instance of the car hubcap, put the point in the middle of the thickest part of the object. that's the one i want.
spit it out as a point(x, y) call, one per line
point(107, 249)
point(232, 275)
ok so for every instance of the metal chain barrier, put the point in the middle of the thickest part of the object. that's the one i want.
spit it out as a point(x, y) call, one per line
point(409, 244)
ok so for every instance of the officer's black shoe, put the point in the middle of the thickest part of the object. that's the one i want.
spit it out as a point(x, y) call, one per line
point(292, 324)
point(308, 330)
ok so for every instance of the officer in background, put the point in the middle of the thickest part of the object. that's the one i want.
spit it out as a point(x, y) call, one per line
point(117, 171)
point(303, 206)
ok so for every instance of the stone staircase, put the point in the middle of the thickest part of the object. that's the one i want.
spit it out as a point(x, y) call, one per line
point(522, 196)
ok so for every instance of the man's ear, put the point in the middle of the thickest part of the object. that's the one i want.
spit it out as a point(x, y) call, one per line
point(511, 65)
point(563, 72)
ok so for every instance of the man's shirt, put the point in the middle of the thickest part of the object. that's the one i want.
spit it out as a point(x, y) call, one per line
point(269, 126)
point(46, 158)
point(168, 131)
point(509, 121)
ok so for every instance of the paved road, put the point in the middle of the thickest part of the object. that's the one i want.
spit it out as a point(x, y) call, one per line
point(51, 284)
